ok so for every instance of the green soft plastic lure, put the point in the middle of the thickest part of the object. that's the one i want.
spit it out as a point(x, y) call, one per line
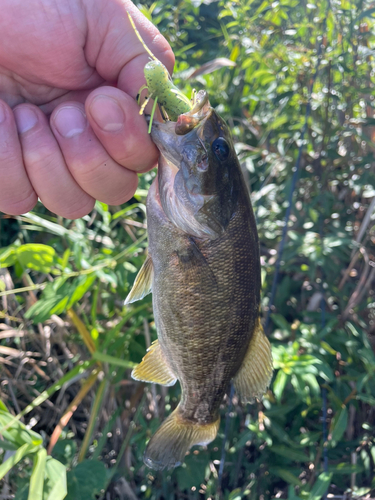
point(161, 87)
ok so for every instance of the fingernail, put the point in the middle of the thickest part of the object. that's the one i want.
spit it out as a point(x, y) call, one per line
point(26, 118)
point(2, 113)
point(107, 113)
point(70, 121)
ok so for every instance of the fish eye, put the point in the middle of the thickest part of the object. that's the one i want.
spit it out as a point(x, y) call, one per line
point(220, 148)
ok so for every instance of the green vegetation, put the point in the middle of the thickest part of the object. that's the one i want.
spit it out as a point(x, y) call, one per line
point(67, 342)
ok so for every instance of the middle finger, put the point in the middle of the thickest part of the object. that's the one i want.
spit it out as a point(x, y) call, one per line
point(88, 161)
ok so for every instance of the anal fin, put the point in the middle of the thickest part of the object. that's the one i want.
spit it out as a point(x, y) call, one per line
point(143, 282)
point(255, 373)
point(153, 367)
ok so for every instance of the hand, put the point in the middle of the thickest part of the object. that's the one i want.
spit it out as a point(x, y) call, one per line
point(80, 64)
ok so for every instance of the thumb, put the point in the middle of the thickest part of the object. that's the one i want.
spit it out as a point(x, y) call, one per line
point(113, 47)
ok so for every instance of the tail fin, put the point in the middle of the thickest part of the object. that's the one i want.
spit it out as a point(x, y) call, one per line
point(168, 446)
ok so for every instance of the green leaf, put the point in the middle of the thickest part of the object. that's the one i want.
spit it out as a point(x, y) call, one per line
point(277, 122)
point(41, 310)
point(235, 494)
point(59, 296)
point(7, 257)
point(3, 407)
point(106, 358)
point(320, 487)
point(36, 256)
point(17, 433)
point(338, 426)
point(37, 475)
point(64, 451)
point(366, 399)
point(281, 322)
point(345, 468)
point(14, 459)
point(55, 484)
point(292, 495)
point(86, 480)
point(290, 454)
point(365, 13)
point(310, 379)
point(279, 384)
point(80, 287)
point(192, 472)
point(286, 475)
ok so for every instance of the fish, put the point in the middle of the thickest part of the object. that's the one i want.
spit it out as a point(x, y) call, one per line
point(203, 268)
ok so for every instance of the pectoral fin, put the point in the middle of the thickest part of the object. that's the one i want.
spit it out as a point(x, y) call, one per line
point(192, 260)
point(153, 367)
point(143, 282)
point(255, 373)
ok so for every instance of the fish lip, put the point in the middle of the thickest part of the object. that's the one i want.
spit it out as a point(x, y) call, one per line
point(170, 137)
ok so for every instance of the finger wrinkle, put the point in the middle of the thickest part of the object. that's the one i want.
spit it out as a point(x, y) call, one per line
point(6, 147)
point(133, 157)
point(75, 209)
point(41, 160)
point(23, 204)
point(95, 171)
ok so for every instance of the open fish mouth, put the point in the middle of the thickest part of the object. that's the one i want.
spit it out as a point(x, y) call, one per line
point(172, 137)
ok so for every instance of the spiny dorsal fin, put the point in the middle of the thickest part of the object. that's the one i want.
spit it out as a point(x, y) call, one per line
point(143, 282)
point(153, 367)
point(255, 373)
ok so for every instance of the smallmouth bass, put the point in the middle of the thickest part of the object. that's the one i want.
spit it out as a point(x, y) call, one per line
point(204, 271)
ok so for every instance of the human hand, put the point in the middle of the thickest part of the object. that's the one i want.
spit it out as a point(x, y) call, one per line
point(70, 129)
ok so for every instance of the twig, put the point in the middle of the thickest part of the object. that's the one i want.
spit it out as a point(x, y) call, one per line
point(72, 408)
point(353, 301)
point(365, 222)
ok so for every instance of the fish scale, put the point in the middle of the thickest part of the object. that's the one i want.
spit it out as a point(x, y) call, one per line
point(204, 257)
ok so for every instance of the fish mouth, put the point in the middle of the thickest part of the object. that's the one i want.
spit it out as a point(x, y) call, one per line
point(171, 138)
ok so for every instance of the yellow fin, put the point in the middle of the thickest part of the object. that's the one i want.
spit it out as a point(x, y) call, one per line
point(143, 282)
point(255, 373)
point(153, 367)
point(168, 446)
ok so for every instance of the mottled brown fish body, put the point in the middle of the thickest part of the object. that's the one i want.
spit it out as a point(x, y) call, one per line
point(204, 261)
point(205, 312)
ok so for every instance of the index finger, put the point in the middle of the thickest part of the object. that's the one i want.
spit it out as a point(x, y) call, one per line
point(115, 50)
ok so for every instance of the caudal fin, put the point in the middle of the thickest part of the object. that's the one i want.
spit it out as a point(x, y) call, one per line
point(168, 446)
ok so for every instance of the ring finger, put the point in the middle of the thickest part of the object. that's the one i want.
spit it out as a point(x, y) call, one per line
point(46, 167)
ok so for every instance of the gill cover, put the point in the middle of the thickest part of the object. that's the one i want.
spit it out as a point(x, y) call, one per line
point(197, 169)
